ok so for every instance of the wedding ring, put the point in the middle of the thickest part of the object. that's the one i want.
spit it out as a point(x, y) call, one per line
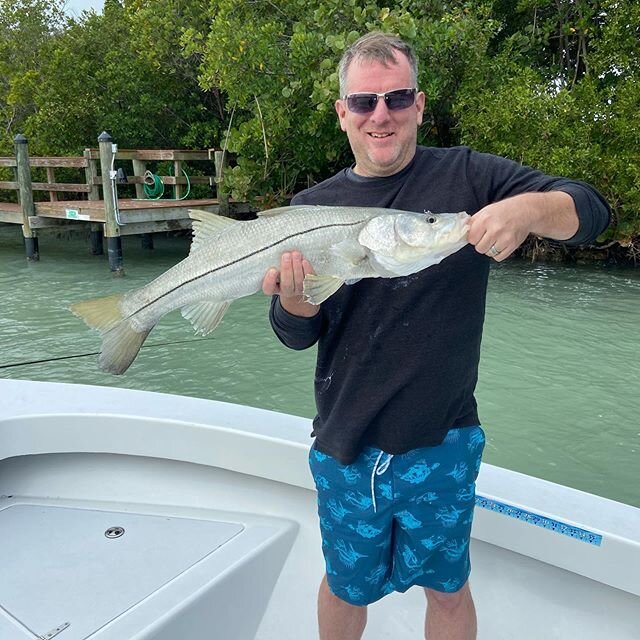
point(494, 250)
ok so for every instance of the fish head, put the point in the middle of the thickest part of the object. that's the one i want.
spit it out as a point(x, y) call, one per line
point(405, 242)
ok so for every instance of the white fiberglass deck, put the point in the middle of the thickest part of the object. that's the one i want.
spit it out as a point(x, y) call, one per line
point(77, 572)
point(97, 564)
point(548, 561)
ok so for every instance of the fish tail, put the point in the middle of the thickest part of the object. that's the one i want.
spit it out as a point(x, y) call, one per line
point(120, 341)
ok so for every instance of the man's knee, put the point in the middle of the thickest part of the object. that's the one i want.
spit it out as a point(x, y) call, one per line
point(448, 601)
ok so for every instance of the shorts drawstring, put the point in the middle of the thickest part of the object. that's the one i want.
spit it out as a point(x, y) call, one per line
point(378, 471)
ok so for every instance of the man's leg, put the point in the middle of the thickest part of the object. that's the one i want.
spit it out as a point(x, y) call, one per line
point(450, 616)
point(337, 619)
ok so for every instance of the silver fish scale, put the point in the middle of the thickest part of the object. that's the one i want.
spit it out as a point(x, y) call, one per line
point(235, 262)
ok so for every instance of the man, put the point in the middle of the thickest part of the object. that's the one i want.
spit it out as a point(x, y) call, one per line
point(398, 441)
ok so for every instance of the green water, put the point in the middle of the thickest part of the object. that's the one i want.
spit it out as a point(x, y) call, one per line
point(559, 389)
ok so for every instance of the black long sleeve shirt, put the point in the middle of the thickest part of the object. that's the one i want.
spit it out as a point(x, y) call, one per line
point(398, 358)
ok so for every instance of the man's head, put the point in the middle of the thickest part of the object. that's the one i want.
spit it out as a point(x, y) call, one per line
point(382, 131)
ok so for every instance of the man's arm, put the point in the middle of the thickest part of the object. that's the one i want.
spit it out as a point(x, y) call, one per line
point(506, 224)
point(296, 323)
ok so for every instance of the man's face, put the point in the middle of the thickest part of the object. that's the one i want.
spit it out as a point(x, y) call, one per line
point(383, 141)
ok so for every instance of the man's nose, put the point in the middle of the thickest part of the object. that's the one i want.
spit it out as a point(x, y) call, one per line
point(381, 112)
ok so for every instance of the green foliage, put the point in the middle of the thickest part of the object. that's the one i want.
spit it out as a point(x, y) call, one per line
point(551, 83)
point(90, 75)
point(26, 26)
point(577, 114)
point(276, 64)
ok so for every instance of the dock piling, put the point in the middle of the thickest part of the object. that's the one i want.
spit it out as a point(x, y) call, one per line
point(96, 230)
point(23, 175)
point(110, 197)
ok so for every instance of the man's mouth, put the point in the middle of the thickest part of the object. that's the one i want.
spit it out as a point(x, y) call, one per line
point(373, 134)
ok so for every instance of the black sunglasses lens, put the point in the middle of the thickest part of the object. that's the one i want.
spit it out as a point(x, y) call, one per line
point(400, 99)
point(395, 100)
point(362, 103)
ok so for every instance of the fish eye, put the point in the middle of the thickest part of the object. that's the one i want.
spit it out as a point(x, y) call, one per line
point(431, 219)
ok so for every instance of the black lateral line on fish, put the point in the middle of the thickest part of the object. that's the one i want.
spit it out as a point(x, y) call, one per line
point(249, 255)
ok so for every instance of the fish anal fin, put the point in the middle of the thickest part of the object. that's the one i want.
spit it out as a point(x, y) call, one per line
point(205, 316)
point(317, 289)
point(206, 225)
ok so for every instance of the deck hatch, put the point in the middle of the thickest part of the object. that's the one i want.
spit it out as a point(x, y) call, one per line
point(57, 564)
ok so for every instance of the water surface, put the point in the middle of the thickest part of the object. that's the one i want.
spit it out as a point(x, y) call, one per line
point(559, 380)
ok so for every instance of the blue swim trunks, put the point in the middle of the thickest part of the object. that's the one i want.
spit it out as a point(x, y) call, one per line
point(391, 522)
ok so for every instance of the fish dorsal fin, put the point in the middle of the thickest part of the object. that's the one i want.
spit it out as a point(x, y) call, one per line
point(317, 289)
point(295, 209)
point(272, 213)
point(378, 235)
point(206, 225)
point(205, 316)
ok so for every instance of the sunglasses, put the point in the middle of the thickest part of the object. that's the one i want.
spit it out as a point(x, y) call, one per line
point(395, 100)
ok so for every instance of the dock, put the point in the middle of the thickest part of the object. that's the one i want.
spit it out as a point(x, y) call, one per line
point(107, 216)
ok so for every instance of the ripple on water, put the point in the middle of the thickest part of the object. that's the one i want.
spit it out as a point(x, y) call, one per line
point(559, 379)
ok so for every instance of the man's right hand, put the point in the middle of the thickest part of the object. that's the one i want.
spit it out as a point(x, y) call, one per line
point(287, 283)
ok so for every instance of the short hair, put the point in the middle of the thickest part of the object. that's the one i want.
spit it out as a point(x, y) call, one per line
point(376, 46)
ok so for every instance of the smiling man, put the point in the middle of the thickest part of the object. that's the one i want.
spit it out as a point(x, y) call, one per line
point(398, 440)
point(380, 119)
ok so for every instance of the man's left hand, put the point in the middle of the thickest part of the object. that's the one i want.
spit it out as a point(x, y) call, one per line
point(500, 228)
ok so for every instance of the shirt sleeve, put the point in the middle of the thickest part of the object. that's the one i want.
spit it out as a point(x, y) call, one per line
point(294, 332)
point(498, 178)
point(593, 211)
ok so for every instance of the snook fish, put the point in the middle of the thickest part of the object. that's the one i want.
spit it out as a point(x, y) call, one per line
point(228, 260)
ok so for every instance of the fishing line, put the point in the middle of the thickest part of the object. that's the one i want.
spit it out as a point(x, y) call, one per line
point(96, 353)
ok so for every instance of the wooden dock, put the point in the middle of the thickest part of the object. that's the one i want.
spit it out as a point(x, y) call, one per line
point(100, 209)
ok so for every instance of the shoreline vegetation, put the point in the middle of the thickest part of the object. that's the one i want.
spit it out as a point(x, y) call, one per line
point(553, 84)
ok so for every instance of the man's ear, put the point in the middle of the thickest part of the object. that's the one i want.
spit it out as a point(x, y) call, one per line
point(421, 100)
point(341, 110)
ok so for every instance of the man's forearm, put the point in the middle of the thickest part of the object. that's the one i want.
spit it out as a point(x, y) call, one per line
point(551, 214)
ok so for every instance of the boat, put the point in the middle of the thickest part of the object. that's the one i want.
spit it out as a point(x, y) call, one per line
point(134, 515)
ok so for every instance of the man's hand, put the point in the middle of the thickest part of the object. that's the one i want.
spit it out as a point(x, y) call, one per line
point(287, 283)
point(500, 228)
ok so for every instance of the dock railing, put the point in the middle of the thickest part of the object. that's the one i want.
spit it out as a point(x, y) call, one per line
point(99, 206)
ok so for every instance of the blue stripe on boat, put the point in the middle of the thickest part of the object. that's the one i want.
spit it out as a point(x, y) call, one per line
point(539, 521)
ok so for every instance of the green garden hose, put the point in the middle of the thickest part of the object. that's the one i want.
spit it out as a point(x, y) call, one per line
point(154, 187)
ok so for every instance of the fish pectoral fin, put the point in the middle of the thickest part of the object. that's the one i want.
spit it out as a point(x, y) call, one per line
point(350, 251)
point(317, 289)
point(206, 225)
point(205, 316)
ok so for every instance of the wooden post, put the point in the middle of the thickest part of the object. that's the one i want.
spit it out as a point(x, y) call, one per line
point(23, 174)
point(51, 178)
point(220, 160)
point(111, 226)
point(139, 167)
point(177, 172)
point(91, 173)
